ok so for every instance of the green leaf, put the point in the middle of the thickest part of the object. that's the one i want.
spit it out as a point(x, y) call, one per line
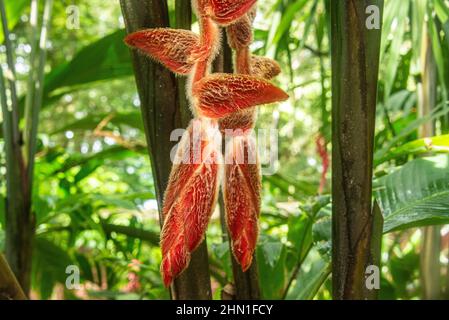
point(416, 194)
point(409, 129)
point(222, 254)
point(78, 159)
point(322, 232)
point(442, 10)
point(439, 58)
point(49, 265)
point(437, 144)
point(105, 59)
point(293, 187)
point(14, 10)
point(130, 119)
point(285, 23)
point(272, 252)
point(300, 234)
point(396, 12)
point(310, 281)
point(271, 267)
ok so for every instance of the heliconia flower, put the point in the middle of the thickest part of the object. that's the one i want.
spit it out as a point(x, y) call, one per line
point(220, 94)
point(171, 47)
point(220, 102)
point(264, 67)
point(225, 12)
point(241, 190)
point(190, 197)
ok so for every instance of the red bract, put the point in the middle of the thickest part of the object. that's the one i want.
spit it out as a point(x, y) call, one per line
point(240, 34)
point(190, 198)
point(264, 67)
point(241, 190)
point(223, 103)
point(221, 94)
point(172, 48)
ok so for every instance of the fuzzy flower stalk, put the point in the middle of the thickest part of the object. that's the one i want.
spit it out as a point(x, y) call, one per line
point(221, 104)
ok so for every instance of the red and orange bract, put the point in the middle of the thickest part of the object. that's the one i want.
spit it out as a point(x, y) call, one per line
point(241, 189)
point(228, 11)
point(221, 94)
point(190, 198)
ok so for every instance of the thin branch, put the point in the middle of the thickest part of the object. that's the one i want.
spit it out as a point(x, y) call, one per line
point(32, 138)
point(9, 287)
point(31, 84)
point(11, 73)
point(295, 273)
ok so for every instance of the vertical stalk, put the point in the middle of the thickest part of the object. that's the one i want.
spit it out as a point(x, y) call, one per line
point(355, 65)
point(31, 88)
point(11, 73)
point(18, 225)
point(36, 104)
point(158, 92)
point(431, 239)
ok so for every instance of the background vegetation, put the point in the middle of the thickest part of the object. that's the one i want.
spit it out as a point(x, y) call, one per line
point(93, 201)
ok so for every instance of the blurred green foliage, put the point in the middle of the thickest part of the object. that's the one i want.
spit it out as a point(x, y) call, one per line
point(94, 194)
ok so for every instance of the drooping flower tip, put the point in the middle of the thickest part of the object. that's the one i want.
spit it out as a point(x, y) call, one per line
point(170, 47)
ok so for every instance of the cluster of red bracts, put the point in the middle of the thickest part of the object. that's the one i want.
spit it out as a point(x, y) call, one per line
point(219, 102)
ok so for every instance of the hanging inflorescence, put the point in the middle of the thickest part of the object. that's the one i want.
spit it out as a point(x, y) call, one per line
point(221, 103)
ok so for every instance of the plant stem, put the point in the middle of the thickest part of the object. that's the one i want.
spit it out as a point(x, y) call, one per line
point(19, 226)
point(33, 121)
point(295, 272)
point(431, 240)
point(355, 65)
point(11, 74)
point(31, 86)
point(9, 287)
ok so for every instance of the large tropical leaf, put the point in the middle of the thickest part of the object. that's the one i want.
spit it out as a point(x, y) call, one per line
point(416, 194)
point(105, 59)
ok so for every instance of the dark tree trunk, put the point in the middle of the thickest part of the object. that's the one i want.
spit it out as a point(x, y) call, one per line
point(161, 101)
point(19, 219)
point(355, 64)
